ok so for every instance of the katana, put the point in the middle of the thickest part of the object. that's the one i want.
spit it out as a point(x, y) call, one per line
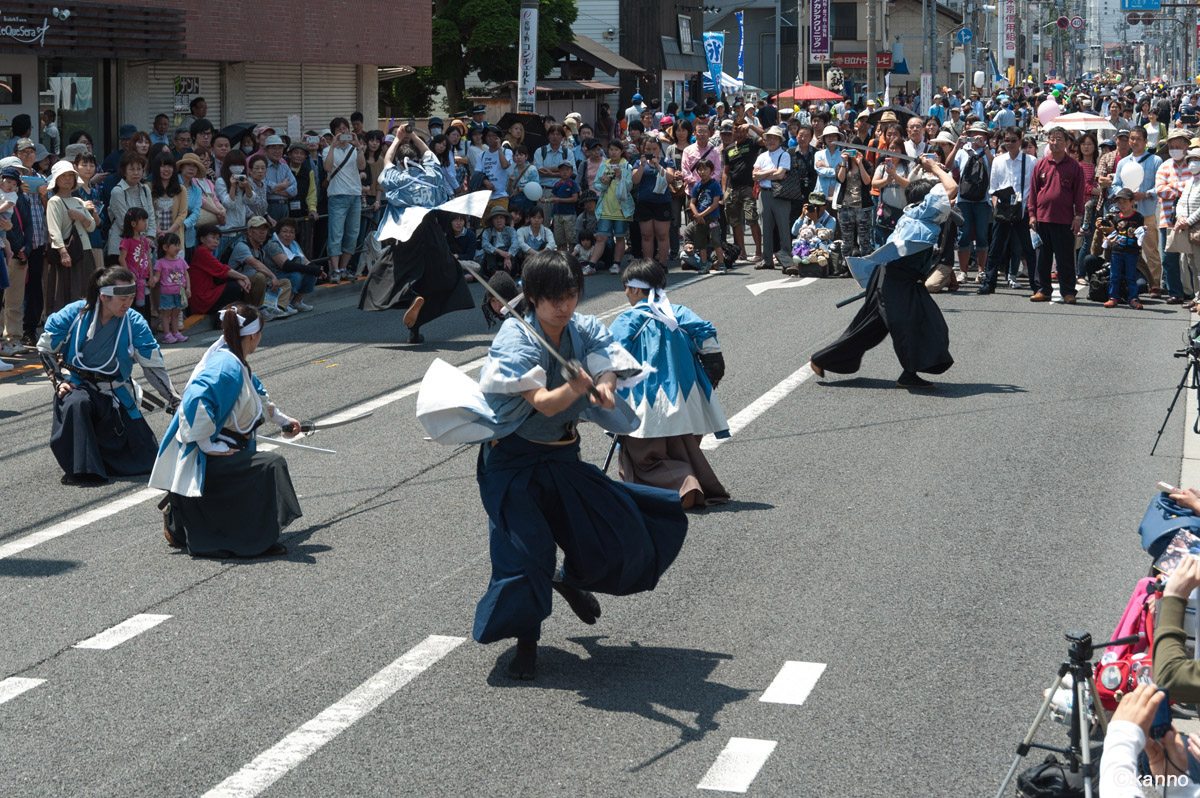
point(571, 368)
point(282, 442)
point(310, 427)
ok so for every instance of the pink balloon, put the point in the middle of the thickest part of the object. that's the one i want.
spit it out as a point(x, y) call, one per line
point(1048, 112)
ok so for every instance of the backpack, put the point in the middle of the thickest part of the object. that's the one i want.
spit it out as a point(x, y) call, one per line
point(973, 186)
point(1052, 779)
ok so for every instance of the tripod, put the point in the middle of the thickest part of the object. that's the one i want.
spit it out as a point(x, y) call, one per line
point(1079, 747)
point(1192, 368)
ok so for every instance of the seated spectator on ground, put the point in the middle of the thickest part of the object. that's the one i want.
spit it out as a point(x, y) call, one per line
point(287, 261)
point(215, 285)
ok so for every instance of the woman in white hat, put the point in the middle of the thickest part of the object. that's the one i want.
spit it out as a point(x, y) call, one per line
point(69, 219)
point(1187, 219)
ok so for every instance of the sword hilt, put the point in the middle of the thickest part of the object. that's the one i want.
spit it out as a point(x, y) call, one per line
point(572, 369)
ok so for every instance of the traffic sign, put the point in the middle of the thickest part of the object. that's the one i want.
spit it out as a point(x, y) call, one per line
point(1133, 18)
point(1141, 5)
point(965, 36)
point(1076, 23)
point(1063, 23)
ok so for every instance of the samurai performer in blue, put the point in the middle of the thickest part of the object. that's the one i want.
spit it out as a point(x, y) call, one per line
point(98, 430)
point(616, 538)
point(675, 403)
point(896, 300)
point(417, 273)
point(225, 498)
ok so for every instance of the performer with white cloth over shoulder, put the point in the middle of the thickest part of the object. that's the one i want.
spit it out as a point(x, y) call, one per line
point(225, 497)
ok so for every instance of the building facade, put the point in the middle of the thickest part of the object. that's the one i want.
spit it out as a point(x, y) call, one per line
point(101, 65)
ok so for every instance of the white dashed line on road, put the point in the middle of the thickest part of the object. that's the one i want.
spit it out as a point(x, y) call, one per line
point(269, 766)
point(737, 765)
point(13, 686)
point(760, 405)
point(125, 630)
point(793, 683)
point(70, 525)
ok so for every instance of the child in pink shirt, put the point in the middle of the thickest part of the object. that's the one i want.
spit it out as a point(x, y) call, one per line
point(174, 285)
point(134, 254)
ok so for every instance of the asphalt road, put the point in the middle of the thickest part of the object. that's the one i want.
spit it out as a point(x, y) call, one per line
point(927, 549)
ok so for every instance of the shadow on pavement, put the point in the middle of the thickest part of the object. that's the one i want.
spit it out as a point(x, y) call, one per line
point(944, 390)
point(652, 682)
point(36, 567)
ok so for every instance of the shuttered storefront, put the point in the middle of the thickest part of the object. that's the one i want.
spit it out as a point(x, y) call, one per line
point(317, 92)
point(160, 90)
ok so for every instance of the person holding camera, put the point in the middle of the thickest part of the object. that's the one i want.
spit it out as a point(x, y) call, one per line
point(1129, 733)
point(344, 189)
point(234, 192)
point(854, 192)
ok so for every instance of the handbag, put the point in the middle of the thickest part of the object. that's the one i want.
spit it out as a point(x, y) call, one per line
point(886, 215)
point(1119, 666)
point(1179, 241)
point(1007, 209)
point(74, 248)
point(792, 186)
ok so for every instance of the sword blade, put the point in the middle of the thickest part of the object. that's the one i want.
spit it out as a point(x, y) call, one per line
point(282, 442)
point(314, 426)
point(528, 327)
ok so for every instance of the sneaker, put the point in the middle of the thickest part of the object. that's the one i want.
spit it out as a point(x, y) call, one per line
point(180, 337)
point(169, 338)
point(288, 310)
point(614, 269)
point(1112, 303)
point(5, 366)
point(1135, 304)
point(722, 269)
point(268, 314)
point(12, 348)
point(302, 306)
point(1014, 284)
point(589, 270)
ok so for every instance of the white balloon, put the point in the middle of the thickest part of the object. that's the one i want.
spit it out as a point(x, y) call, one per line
point(533, 191)
point(1132, 174)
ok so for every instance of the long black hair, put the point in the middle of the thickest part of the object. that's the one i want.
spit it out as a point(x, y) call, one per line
point(172, 186)
point(232, 329)
point(104, 276)
point(551, 275)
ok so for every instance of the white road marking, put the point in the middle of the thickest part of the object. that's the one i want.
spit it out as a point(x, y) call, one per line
point(760, 405)
point(793, 683)
point(269, 766)
point(786, 282)
point(125, 630)
point(13, 686)
point(70, 525)
point(737, 765)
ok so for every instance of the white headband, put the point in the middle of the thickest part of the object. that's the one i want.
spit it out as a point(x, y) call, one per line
point(118, 290)
point(244, 328)
point(642, 284)
point(657, 303)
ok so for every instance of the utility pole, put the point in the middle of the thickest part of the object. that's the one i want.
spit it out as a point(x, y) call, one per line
point(871, 49)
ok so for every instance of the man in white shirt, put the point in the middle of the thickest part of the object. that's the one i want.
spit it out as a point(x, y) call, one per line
point(915, 144)
point(1011, 181)
point(634, 111)
point(771, 166)
point(494, 164)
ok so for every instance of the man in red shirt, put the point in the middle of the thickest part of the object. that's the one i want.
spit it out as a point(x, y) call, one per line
point(215, 285)
point(1056, 211)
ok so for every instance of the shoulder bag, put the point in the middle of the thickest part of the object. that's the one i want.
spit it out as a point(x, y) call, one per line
point(74, 246)
point(333, 174)
point(792, 186)
point(1012, 210)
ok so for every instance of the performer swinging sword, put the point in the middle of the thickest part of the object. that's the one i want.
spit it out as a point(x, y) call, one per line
point(616, 538)
point(896, 300)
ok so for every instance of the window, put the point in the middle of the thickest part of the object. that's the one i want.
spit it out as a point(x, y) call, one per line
point(843, 21)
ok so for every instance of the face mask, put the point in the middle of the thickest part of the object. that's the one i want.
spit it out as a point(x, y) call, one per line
point(248, 149)
point(1194, 168)
point(237, 170)
point(1177, 154)
point(435, 130)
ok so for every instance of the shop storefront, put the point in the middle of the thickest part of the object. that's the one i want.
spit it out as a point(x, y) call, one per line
point(61, 59)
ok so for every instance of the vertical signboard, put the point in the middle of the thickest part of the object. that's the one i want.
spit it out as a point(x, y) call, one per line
point(714, 54)
point(819, 38)
point(1010, 29)
point(527, 74)
point(926, 92)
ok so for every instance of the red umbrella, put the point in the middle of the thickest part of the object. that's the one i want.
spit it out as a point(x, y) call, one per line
point(807, 93)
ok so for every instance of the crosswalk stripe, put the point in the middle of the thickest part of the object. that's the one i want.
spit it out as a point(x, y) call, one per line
point(269, 766)
point(737, 765)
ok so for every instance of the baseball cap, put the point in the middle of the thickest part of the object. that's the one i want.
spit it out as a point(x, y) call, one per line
point(126, 131)
point(258, 131)
point(637, 98)
point(24, 144)
point(727, 126)
point(1108, 143)
point(257, 221)
point(436, 121)
point(1125, 193)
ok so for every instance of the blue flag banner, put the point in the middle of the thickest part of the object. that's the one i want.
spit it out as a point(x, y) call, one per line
point(714, 52)
point(741, 46)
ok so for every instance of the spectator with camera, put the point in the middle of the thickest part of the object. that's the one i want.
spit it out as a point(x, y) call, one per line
point(1129, 735)
point(973, 164)
point(344, 189)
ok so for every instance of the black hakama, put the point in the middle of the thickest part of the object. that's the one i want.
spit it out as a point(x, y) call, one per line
point(898, 304)
point(92, 434)
point(423, 266)
point(248, 500)
point(616, 537)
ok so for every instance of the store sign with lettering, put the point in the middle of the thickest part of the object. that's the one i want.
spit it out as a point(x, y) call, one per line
point(22, 30)
point(859, 60)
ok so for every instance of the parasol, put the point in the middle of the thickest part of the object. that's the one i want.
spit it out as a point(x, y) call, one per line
point(807, 93)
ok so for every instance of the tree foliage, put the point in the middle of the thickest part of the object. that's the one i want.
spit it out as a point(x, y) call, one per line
point(481, 36)
point(411, 95)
